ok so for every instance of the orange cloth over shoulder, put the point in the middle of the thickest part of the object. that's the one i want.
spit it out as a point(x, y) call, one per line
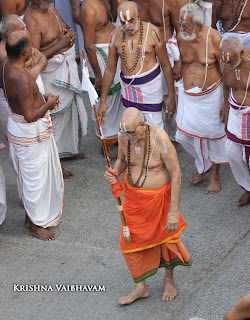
point(145, 212)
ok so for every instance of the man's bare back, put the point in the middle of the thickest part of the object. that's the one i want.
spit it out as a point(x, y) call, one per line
point(13, 7)
point(96, 13)
point(226, 11)
point(193, 55)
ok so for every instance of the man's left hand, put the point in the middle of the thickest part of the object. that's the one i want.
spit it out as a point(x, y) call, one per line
point(172, 221)
point(170, 106)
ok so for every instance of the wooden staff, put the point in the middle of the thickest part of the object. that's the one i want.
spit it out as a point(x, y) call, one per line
point(126, 232)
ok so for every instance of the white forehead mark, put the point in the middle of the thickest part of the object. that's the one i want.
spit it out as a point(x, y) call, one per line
point(128, 15)
point(164, 146)
point(227, 56)
point(121, 17)
point(124, 128)
point(137, 150)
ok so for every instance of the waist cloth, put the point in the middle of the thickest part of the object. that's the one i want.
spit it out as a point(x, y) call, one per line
point(198, 112)
point(70, 121)
point(245, 36)
point(238, 128)
point(35, 159)
point(143, 91)
point(152, 246)
point(114, 105)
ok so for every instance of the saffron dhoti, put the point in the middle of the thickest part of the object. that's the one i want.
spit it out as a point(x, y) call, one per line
point(152, 246)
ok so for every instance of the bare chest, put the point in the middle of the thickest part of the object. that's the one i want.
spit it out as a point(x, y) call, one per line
point(51, 28)
point(229, 10)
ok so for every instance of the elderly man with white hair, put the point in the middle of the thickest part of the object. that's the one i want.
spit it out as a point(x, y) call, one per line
point(236, 111)
point(200, 128)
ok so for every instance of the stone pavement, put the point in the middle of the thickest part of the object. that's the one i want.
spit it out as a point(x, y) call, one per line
point(87, 251)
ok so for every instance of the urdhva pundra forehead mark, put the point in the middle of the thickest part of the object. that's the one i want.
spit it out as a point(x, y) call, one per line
point(125, 16)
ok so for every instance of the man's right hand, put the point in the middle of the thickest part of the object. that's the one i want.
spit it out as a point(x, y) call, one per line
point(110, 178)
point(53, 101)
point(67, 38)
point(102, 111)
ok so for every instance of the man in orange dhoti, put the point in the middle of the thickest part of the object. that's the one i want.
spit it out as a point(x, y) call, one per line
point(152, 184)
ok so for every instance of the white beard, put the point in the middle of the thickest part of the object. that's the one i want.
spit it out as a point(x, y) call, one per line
point(188, 37)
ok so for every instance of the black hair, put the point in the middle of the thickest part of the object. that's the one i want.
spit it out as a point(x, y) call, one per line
point(14, 51)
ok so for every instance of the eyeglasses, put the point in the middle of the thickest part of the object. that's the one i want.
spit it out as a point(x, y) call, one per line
point(128, 133)
point(183, 25)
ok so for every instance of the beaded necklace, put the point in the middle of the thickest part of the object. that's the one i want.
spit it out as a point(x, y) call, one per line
point(138, 50)
point(236, 17)
point(146, 146)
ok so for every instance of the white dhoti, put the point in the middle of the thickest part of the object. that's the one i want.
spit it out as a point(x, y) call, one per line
point(4, 111)
point(70, 121)
point(207, 8)
point(245, 36)
point(238, 143)
point(3, 203)
point(144, 92)
point(114, 104)
point(35, 159)
point(200, 129)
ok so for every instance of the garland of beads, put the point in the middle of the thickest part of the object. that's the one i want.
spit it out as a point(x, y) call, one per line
point(138, 50)
point(146, 146)
point(235, 16)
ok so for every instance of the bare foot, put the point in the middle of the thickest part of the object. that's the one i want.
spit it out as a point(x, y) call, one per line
point(244, 199)
point(141, 291)
point(41, 233)
point(196, 178)
point(170, 291)
point(27, 222)
point(214, 184)
point(67, 174)
point(177, 146)
point(111, 153)
point(78, 156)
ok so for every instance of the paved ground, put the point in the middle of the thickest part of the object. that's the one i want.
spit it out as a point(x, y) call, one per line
point(87, 251)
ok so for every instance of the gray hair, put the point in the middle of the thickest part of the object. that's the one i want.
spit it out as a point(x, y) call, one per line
point(194, 11)
point(7, 24)
point(235, 42)
point(137, 8)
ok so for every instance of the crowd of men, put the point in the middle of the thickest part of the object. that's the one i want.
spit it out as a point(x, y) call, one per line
point(153, 64)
